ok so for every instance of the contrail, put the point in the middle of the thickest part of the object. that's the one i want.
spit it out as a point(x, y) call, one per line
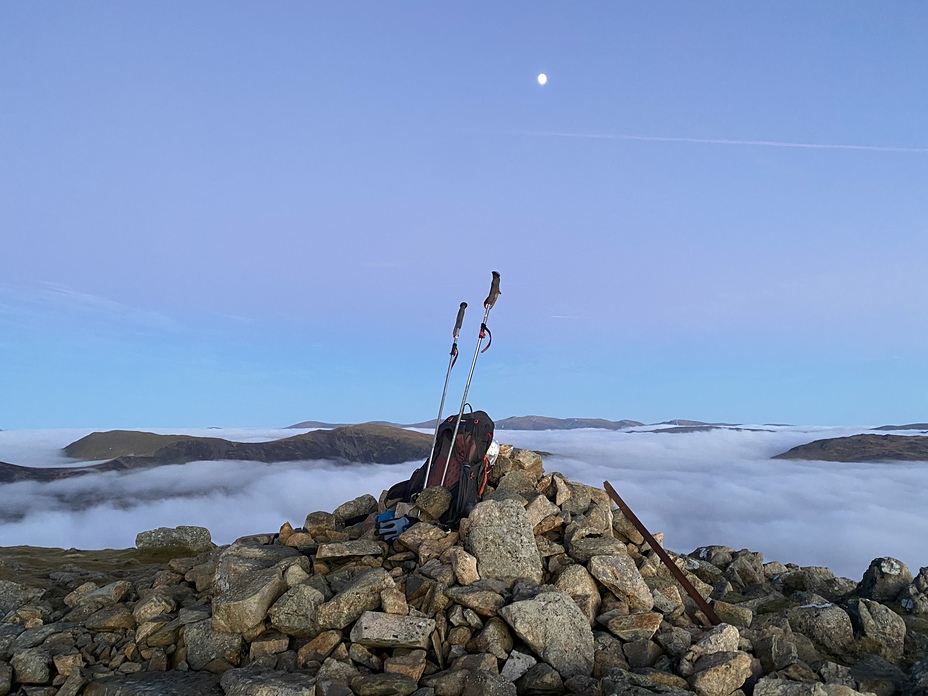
point(725, 141)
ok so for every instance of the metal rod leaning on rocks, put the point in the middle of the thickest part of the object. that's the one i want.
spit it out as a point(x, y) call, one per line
point(671, 566)
point(488, 303)
point(454, 356)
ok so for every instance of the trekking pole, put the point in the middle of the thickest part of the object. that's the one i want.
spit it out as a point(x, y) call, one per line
point(441, 406)
point(484, 332)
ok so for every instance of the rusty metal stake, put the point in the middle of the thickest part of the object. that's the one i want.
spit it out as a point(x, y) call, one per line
point(671, 566)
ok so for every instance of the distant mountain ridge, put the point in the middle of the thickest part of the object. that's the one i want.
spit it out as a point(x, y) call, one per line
point(866, 447)
point(127, 450)
point(517, 423)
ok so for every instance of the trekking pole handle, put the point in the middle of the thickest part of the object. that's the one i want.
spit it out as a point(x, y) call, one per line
point(460, 320)
point(494, 291)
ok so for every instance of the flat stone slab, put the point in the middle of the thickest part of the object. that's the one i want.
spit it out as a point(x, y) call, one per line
point(379, 630)
point(157, 684)
point(349, 549)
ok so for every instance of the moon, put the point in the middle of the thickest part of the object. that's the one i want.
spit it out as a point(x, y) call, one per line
point(542, 78)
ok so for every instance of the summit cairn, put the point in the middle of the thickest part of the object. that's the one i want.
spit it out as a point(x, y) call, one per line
point(545, 588)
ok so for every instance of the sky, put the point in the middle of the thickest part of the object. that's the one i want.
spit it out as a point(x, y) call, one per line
point(248, 214)
point(698, 489)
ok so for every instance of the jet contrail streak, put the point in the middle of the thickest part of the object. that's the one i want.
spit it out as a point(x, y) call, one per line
point(724, 141)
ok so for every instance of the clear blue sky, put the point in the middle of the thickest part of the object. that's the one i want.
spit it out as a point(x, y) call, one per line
point(237, 213)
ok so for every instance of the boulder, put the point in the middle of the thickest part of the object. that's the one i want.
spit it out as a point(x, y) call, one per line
point(881, 630)
point(244, 558)
point(884, 579)
point(183, 539)
point(826, 624)
point(362, 506)
point(501, 539)
point(13, 595)
point(31, 666)
point(620, 575)
point(555, 629)
point(361, 594)
point(205, 644)
point(576, 581)
point(720, 673)
point(246, 603)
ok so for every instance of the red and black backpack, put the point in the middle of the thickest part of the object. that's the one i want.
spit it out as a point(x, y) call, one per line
point(464, 473)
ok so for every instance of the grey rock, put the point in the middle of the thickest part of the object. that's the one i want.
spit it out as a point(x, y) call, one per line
point(157, 603)
point(362, 505)
point(539, 508)
point(361, 594)
point(769, 686)
point(183, 538)
point(876, 675)
point(348, 549)
point(745, 570)
point(205, 644)
point(554, 628)
point(629, 627)
point(576, 581)
point(256, 682)
point(826, 624)
point(434, 501)
point(243, 558)
point(31, 666)
point(882, 631)
point(380, 630)
point(487, 684)
point(6, 678)
point(336, 671)
point(383, 685)
point(500, 538)
point(584, 549)
point(156, 684)
point(517, 482)
point(245, 604)
point(721, 638)
point(885, 579)
point(494, 638)
point(517, 665)
point(775, 650)
point(720, 673)
point(94, 600)
point(621, 576)
point(624, 683)
point(642, 653)
point(13, 595)
point(540, 679)
point(294, 613)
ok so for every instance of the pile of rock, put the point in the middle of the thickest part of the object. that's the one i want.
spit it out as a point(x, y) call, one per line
point(544, 589)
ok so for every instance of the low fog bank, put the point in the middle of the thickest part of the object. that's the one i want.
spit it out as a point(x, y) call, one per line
point(721, 487)
point(698, 488)
point(230, 498)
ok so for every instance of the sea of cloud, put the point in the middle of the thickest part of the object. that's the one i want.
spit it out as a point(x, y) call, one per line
point(698, 488)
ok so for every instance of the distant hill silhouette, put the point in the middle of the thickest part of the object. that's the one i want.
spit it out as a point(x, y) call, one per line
point(910, 426)
point(547, 423)
point(513, 423)
point(127, 449)
point(862, 448)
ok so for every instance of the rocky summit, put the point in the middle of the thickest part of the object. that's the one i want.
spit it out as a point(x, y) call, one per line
point(546, 588)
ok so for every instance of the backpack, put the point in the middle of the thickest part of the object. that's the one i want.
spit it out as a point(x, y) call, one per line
point(467, 468)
